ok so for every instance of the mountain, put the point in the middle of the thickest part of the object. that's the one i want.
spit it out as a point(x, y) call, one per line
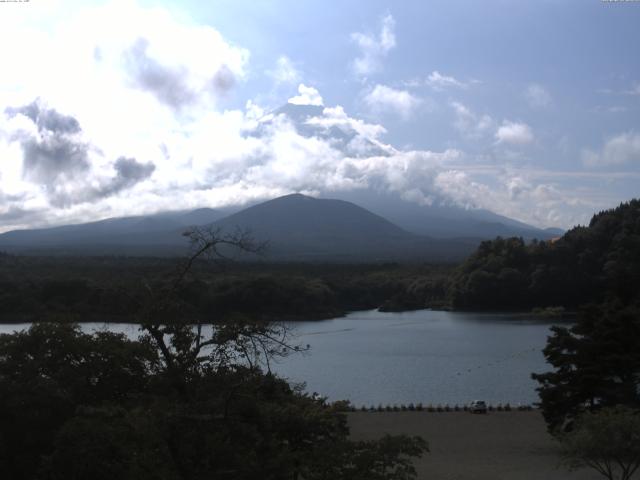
point(127, 235)
point(556, 232)
point(446, 221)
point(302, 227)
point(297, 227)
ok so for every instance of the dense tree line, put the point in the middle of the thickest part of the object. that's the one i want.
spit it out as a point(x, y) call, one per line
point(97, 289)
point(592, 264)
point(596, 364)
point(596, 361)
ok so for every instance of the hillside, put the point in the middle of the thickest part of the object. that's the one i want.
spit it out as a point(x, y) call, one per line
point(446, 221)
point(113, 235)
point(296, 227)
point(596, 263)
point(302, 227)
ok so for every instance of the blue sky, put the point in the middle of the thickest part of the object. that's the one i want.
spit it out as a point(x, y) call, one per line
point(529, 109)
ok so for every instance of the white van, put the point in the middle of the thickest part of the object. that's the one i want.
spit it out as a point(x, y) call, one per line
point(478, 406)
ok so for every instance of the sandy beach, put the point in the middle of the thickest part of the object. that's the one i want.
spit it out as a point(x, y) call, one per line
point(464, 446)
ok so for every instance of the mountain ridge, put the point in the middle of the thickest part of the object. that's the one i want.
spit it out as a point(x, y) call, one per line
point(298, 227)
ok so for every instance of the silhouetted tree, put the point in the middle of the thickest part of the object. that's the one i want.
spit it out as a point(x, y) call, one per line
point(607, 441)
point(185, 401)
point(596, 364)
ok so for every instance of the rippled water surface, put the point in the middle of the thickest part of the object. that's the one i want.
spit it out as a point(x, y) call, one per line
point(423, 356)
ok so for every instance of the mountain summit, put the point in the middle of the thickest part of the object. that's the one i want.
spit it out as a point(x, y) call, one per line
point(300, 226)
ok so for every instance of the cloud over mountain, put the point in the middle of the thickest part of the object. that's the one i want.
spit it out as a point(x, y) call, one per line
point(306, 96)
point(146, 114)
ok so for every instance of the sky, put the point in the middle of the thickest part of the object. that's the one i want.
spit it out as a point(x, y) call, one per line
point(530, 109)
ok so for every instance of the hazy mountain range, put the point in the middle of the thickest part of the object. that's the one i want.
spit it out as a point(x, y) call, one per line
point(297, 227)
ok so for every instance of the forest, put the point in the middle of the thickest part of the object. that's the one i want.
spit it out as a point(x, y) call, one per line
point(589, 264)
point(108, 288)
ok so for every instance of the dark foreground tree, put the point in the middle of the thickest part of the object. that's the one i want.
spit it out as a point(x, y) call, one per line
point(182, 402)
point(596, 364)
point(607, 441)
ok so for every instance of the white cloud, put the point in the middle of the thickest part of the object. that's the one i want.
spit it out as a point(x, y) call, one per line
point(337, 117)
point(306, 96)
point(386, 99)
point(538, 97)
point(518, 195)
point(437, 81)
point(618, 150)
point(374, 48)
point(228, 157)
point(515, 133)
point(635, 90)
point(136, 85)
point(151, 135)
point(470, 124)
point(285, 71)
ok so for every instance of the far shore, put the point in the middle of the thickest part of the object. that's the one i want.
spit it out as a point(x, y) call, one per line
point(9, 319)
point(464, 446)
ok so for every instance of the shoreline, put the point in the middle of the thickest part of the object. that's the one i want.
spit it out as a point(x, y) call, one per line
point(565, 317)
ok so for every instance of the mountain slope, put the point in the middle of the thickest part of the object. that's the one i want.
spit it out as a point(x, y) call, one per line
point(446, 221)
point(296, 227)
point(160, 229)
point(301, 227)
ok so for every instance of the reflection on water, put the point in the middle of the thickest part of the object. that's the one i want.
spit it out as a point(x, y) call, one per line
point(423, 356)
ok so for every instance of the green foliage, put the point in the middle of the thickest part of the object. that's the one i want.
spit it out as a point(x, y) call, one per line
point(596, 362)
point(588, 264)
point(76, 406)
point(111, 288)
point(607, 441)
point(107, 443)
point(47, 372)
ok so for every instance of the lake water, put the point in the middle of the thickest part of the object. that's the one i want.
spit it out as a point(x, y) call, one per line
point(424, 356)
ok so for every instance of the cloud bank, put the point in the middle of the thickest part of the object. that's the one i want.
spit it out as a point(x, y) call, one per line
point(129, 121)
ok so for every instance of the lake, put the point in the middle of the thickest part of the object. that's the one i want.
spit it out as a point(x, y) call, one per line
point(432, 357)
